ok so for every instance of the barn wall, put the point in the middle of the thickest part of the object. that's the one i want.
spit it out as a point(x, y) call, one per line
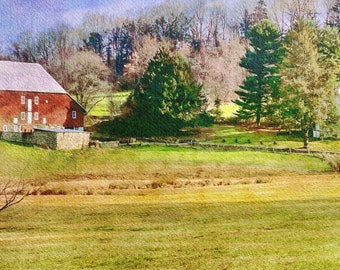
point(54, 110)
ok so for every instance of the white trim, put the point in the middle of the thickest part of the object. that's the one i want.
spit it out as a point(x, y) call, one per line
point(29, 105)
point(74, 114)
point(29, 118)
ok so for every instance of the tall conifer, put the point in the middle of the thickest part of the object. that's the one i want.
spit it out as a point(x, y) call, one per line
point(261, 87)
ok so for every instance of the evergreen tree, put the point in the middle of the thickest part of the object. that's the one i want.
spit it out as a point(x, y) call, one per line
point(329, 47)
point(261, 87)
point(167, 97)
point(308, 86)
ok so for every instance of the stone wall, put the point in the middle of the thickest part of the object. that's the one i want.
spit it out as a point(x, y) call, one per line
point(12, 136)
point(58, 140)
point(41, 138)
point(72, 140)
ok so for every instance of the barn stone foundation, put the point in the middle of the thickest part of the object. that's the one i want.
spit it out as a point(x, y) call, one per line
point(53, 139)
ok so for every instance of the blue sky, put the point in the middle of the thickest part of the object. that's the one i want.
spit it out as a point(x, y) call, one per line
point(17, 16)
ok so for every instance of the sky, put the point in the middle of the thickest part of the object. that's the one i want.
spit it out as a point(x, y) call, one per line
point(17, 16)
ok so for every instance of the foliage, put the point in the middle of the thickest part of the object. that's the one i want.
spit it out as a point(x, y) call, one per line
point(87, 77)
point(260, 90)
point(114, 46)
point(308, 87)
point(166, 99)
point(329, 47)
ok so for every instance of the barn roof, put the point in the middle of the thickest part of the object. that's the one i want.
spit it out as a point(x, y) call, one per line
point(30, 77)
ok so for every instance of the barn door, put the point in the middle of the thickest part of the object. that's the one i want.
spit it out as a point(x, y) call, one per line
point(29, 111)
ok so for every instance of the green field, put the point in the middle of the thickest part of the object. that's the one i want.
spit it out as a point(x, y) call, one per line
point(151, 207)
point(237, 135)
point(102, 108)
point(149, 162)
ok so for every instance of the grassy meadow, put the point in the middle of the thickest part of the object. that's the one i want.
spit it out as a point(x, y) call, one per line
point(152, 207)
point(102, 109)
point(237, 135)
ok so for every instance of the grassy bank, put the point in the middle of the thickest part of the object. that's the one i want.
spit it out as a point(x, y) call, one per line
point(149, 163)
point(237, 135)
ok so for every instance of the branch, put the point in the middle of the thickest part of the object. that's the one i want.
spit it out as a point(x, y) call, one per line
point(13, 193)
point(95, 103)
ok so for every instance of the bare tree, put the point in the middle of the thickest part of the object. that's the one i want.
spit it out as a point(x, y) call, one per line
point(217, 21)
point(25, 50)
point(96, 23)
point(88, 78)
point(198, 13)
point(277, 11)
point(287, 12)
point(13, 192)
point(298, 9)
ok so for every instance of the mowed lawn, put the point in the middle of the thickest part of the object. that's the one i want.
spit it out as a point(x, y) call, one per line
point(209, 228)
point(250, 210)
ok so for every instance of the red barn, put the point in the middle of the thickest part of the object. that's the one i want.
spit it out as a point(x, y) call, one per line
point(30, 98)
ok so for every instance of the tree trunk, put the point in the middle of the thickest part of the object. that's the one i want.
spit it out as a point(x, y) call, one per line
point(258, 120)
point(306, 139)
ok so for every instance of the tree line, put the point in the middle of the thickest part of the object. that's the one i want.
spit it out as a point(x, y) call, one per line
point(211, 34)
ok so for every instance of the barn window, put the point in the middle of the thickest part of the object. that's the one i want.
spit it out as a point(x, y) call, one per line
point(23, 99)
point(74, 114)
point(36, 100)
point(23, 115)
point(36, 116)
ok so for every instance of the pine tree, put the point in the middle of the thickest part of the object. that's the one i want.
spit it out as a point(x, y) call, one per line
point(167, 97)
point(261, 87)
point(308, 87)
